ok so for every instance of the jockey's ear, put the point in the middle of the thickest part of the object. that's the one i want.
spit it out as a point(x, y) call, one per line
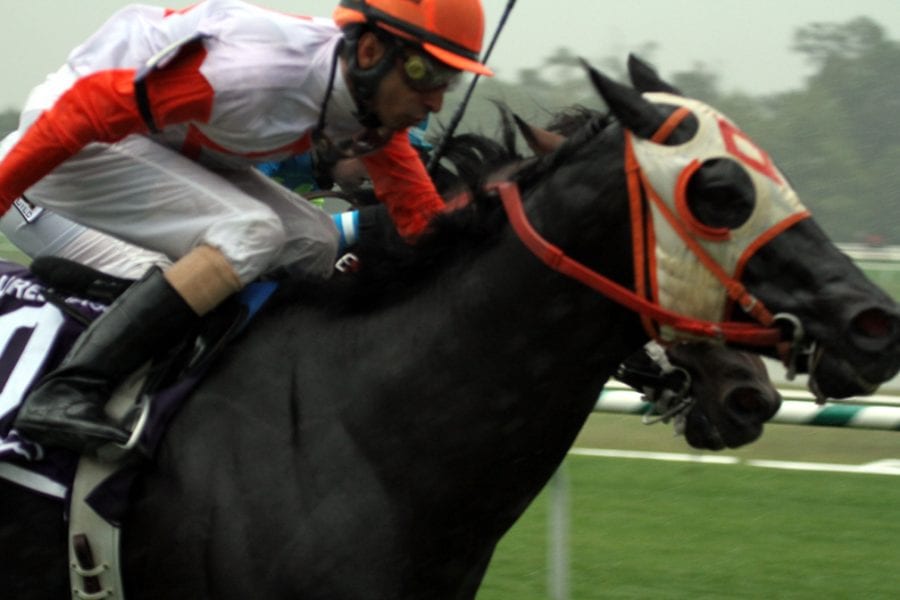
point(369, 50)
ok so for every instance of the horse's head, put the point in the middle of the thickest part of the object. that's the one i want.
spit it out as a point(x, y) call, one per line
point(725, 241)
point(731, 202)
point(732, 392)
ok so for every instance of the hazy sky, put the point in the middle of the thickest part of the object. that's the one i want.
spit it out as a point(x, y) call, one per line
point(746, 43)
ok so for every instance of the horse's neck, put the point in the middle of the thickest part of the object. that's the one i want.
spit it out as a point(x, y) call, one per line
point(514, 312)
point(501, 344)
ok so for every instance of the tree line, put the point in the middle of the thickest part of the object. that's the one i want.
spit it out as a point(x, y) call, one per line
point(836, 136)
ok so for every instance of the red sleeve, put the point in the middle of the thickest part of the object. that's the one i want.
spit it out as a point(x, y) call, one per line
point(101, 107)
point(402, 183)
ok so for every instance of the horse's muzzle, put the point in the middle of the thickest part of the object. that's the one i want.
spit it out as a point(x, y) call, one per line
point(738, 421)
point(868, 356)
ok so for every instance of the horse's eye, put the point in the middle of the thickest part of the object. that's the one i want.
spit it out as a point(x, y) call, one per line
point(720, 194)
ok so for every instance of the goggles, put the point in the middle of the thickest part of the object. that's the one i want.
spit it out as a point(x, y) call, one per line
point(424, 74)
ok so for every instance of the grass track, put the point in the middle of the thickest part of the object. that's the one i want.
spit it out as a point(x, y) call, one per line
point(646, 529)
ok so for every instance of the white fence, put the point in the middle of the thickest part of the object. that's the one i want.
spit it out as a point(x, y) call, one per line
point(797, 408)
point(864, 252)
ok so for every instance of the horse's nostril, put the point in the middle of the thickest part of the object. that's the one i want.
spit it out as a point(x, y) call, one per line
point(747, 402)
point(874, 330)
point(875, 323)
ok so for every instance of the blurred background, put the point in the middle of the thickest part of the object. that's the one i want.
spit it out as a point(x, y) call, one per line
point(815, 82)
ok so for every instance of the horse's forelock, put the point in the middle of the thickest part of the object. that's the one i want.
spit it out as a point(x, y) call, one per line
point(569, 121)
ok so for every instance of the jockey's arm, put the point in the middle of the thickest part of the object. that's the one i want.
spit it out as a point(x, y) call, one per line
point(402, 183)
point(103, 107)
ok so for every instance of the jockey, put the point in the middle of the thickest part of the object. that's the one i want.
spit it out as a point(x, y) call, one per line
point(39, 232)
point(150, 131)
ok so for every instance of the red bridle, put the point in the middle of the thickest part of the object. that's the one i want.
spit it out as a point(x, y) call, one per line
point(762, 333)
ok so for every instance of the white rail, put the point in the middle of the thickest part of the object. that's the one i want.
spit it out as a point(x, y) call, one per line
point(797, 408)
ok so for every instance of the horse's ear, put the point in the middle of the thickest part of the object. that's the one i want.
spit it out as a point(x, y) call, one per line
point(539, 140)
point(627, 105)
point(645, 78)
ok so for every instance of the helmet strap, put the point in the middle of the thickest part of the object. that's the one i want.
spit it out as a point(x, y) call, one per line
point(364, 82)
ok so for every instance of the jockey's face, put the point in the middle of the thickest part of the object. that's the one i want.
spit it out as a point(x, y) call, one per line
point(350, 174)
point(396, 103)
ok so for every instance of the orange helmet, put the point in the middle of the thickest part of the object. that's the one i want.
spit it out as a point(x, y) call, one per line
point(449, 30)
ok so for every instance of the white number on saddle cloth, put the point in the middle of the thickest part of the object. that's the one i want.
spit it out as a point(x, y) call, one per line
point(34, 333)
point(27, 334)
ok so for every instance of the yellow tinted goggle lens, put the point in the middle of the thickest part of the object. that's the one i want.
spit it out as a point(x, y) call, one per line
point(425, 75)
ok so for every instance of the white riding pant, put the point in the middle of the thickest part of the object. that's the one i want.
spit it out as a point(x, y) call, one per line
point(51, 234)
point(40, 232)
point(151, 196)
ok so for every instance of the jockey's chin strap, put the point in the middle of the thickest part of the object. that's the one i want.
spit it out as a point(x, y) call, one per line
point(763, 333)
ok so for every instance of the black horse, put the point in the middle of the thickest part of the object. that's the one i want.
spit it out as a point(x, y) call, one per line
point(376, 436)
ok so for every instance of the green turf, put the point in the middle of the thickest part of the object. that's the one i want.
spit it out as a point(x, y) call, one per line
point(884, 274)
point(648, 529)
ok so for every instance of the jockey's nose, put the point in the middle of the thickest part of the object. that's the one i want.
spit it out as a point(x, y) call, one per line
point(434, 99)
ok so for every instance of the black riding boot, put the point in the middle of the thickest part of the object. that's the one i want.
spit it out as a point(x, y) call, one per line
point(67, 406)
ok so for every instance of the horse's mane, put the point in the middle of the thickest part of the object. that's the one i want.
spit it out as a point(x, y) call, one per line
point(393, 268)
point(571, 119)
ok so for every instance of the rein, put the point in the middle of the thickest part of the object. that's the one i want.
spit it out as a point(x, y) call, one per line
point(763, 333)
